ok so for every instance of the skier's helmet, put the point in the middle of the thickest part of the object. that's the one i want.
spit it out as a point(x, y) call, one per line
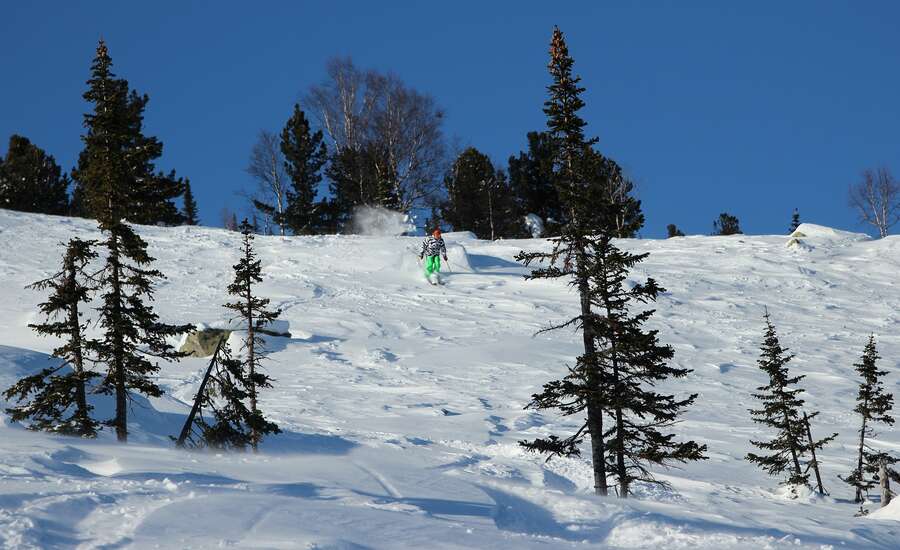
point(437, 233)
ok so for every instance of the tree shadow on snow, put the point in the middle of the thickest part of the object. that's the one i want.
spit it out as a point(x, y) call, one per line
point(301, 443)
point(436, 506)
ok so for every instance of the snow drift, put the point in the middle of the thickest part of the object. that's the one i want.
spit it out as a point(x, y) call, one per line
point(402, 403)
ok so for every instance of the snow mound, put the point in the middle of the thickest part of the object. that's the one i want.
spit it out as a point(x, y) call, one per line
point(809, 236)
point(821, 233)
point(891, 511)
point(459, 258)
point(459, 236)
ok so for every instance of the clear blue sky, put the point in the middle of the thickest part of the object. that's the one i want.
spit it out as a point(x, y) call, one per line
point(748, 107)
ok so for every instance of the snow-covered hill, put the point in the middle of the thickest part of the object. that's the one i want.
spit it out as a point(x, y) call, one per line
point(402, 403)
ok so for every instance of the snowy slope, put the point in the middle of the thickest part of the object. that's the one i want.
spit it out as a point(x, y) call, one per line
point(402, 403)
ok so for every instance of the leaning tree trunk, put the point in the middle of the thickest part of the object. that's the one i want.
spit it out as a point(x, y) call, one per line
point(812, 450)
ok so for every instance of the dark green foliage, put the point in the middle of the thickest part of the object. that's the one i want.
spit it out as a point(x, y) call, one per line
point(304, 155)
point(223, 419)
point(873, 405)
point(142, 195)
point(152, 200)
point(479, 198)
point(356, 180)
point(59, 403)
point(613, 380)
point(621, 216)
point(565, 127)
point(31, 181)
point(795, 221)
point(781, 410)
point(253, 311)
point(531, 178)
point(133, 335)
point(673, 231)
point(189, 208)
point(78, 202)
point(726, 225)
point(618, 375)
point(435, 218)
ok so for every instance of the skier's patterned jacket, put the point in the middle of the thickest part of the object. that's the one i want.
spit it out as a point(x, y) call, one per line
point(433, 247)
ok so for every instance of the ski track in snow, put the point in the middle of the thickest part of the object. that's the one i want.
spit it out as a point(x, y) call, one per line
point(402, 403)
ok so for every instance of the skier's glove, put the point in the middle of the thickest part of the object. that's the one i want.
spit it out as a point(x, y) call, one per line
point(445, 259)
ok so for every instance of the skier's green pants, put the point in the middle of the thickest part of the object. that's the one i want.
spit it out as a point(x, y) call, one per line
point(432, 265)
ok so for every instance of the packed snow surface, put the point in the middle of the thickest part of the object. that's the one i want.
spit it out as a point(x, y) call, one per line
point(402, 403)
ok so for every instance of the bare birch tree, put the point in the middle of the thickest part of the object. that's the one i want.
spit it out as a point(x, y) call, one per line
point(266, 167)
point(877, 200)
point(367, 110)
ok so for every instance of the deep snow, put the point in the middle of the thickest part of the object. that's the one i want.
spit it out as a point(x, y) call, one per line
point(402, 403)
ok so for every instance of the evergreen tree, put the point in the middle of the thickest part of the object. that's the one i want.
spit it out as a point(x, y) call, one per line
point(466, 182)
point(795, 221)
point(253, 310)
point(153, 200)
point(531, 178)
point(673, 231)
point(873, 405)
point(435, 218)
point(31, 181)
point(133, 333)
point(61, 390)
point(356, 179)
point(612, 380)
point(781, 410)
point(726, 224)
point(304, 155)
point(147, 195)
point(189, 210)
point(220, 415)
point(623, 216)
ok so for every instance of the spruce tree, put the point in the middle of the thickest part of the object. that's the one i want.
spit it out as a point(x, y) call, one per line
point(31, 181)
point(781, 410)
point(467, 197)
point(189, 209)
point(59, 403)
point(873, 405)
point(531, 178)
point(133, 336)
point(726, 224)
point(151, 193)
point(673, 231)
point(795, 221)
point(356, 179)
point(623, 216)
point(304, 155)
point(254, 312)
point(220, 413)
point(612, 380)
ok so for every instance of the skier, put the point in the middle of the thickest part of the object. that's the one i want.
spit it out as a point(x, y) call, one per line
point(432, 248)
